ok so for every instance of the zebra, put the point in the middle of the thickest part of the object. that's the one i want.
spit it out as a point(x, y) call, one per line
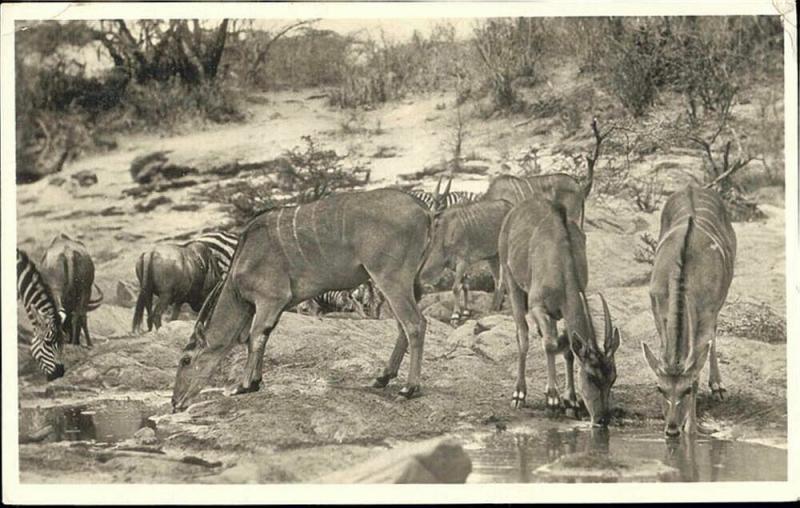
point(40, 307)
point(222, 245)
point(438, 201)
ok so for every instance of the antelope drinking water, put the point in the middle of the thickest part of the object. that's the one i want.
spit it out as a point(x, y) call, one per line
point(543, 260)
point(292, 254)
point(692, 272)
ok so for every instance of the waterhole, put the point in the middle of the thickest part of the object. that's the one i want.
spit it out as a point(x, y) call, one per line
point(105, 421)
point(579, 456)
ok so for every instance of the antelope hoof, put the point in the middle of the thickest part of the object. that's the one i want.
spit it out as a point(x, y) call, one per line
point(241, 389)
point(553, 400)
point(518, 399)
point(455, 317)
point(572, 406)
point(382, 381)
point(717, 390)
point(407, 392)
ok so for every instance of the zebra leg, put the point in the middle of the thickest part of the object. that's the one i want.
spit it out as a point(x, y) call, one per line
point(264, 321)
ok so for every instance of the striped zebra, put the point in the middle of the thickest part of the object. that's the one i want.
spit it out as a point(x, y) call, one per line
point(40, 307)
point(223, 246)
point(365, 300)
point(438, 201)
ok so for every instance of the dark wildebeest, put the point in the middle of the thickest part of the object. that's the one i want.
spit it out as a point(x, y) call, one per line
point(177, 274)
point(68, 270)
point(543, 256)
point(289, 255)
point(462, 235)
point(40, 306)
point(692, 272)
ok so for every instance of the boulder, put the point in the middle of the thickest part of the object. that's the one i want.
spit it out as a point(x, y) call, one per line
point(126, 294)
point(85, 178)
point(152, 204)
point(145, 436)
point(441, 460)
point(154, 166)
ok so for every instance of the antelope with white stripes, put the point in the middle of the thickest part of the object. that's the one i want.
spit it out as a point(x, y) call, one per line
point(179, 274)
point(462, 235)
point(560, 188)
point(692, 272)
point(41, 309)
point(543, 259)
point(288, 255)
point(68, 269)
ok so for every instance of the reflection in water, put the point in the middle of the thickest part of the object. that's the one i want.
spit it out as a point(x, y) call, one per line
point(108, 423)
point(509, 457)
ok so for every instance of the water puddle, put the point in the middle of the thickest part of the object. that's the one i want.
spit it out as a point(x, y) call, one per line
point(104, 421)
point(582, 455)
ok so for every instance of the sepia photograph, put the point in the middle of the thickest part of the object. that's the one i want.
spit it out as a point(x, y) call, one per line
point(529, 248)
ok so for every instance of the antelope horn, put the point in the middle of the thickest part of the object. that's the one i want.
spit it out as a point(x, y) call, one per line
point(608, 326)
point(438, 186)
point(447, 189)
point(586, 313)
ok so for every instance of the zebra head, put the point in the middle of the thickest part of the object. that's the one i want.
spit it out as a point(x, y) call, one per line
point(46, 346)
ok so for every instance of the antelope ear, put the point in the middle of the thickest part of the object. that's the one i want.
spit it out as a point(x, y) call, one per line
point(698, 359)
point(578, 346)
point(651, 359)
point(613, 344)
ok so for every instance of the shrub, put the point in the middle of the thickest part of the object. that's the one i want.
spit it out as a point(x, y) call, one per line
point(646, 250)
point(754, 321)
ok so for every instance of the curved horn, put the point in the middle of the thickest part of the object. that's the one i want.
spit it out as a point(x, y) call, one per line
point(93, 304)
point(438, 186)
point(447, 189)
point(607, 319)
point(588, 316)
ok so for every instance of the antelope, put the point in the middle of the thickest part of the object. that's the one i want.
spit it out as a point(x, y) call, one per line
point(692, 271)
point(288, 255)
point(177, 274)
point(557, 187)
point(68, 269)
point(543, 261)
point(463, 235)
point(40, 306)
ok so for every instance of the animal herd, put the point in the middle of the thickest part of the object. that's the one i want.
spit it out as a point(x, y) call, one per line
point(382, 244)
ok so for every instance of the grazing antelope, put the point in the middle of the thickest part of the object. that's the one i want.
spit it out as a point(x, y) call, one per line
point(543, 261)
point(288, 255)
point(177, 274)
point(68, 269)
point(41, 309)
point(692, 272)
point(560, 188)
point(463, 235)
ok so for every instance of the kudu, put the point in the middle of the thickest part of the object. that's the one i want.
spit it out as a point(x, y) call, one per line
point(40, 307)
point(177, 274)
point(543, 261)
point(559, 188)
point(692, 272)
point(68, 270)
point(291, 254)
point(462, 235)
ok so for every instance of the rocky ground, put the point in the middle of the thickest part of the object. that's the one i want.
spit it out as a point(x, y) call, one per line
point(315, 413)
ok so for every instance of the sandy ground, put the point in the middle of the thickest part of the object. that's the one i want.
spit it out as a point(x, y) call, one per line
point(315, 413)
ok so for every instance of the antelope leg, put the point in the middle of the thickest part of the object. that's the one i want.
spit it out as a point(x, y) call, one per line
point(570, 399)
point(458, 290)
point(176, 310)
point(499, 286)
point(85, 326)
point(265, 319)
point(714, 377)
point(518, 310)
point(550, 343)
point(399, 351)
point(75, 330)
point(160, 307)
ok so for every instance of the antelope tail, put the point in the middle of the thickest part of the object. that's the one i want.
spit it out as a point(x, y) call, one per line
point(144, 271)
point(93, 304)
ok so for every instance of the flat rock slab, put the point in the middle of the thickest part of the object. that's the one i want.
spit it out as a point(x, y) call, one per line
point(433, 461)
point(594, 467)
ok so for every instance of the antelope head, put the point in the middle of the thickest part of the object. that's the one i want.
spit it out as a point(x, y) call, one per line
point(676, 372)
point(598, 370)
point(198, 358)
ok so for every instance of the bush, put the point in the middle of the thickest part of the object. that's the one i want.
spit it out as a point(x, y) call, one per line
point(646, 250)
point(754, 321)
